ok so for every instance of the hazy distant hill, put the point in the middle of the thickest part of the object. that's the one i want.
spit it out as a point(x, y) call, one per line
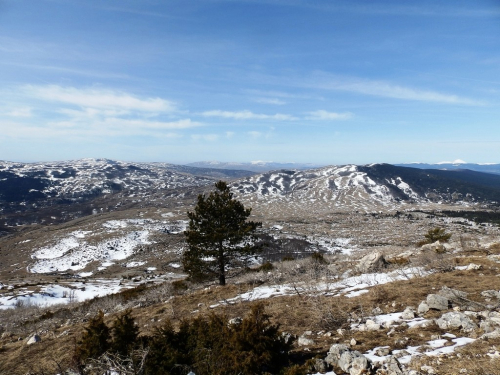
point(486, 168)
point(258, 166)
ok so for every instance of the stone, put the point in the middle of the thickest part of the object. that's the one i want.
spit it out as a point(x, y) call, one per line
point(235, 321)
point(353, 342)
point(456, 320)
point(491, 294)
point(408, 313)
point(304, 341)
point(491, 335)
point(354, 363)
point(383, 351)
point(474, 267)
point(428, 369)
point(359, 365)
point(34, 339)
point(437, 302)
point(394, 367)
point(377, 311)
point(437, 247)
point(320, 365)
point(372, 326)
point(422, 308)
point(372, 262)
point(6, 334)
point(334, 354)
point(452, 294)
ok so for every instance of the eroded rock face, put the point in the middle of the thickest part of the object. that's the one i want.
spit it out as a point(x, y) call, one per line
point(456, 319)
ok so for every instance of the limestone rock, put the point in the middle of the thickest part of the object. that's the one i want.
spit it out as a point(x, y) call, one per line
point(334, 354)
point(437, 247)
point(34, 339)
point(452, 294)
point(491, 294)
point(372, 262)
point(491, 335)
point(320, 365)
point(423, 308)
point(394, 367)
point(372, 326)
point(408, 313)
point(456, 320)
point(437, 302)
point(304, 341)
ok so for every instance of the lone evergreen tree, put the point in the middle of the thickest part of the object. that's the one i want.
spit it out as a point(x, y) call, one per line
point(219, 236)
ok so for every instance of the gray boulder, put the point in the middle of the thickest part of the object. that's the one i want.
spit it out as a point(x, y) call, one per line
point(437, 302)
point(456, 319)
point(491, 335)
point(334, 354)
point(422, 308)
point(304, 341)
point(372, 262)
point(408, 313)
point(393, 367)
point(491, 294)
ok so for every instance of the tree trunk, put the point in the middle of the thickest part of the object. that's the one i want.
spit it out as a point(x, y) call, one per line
point(222, 266)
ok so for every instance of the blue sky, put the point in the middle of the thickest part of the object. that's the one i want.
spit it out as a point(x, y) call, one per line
point(327, 82)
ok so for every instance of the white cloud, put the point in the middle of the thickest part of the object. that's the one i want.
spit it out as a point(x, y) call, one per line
point(205, 137)
point(273, 101)
point(325, 115)
point(20, 112)
point(254, 134)
point(386, 89)
point(99, 98)
point(247, 115)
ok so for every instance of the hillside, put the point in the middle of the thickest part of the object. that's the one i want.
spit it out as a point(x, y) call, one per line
point(325, 232)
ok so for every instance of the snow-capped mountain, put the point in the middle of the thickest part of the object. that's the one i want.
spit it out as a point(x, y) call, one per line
point(371, 185)
point(50, 189)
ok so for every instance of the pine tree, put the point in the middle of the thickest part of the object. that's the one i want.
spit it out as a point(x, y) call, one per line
point(219, 236)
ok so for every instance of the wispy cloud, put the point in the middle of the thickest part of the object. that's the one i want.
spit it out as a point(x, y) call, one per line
point(273, 101)
point(255, 134)
point(99, 98)
point(19, 112)
point(205, 137)
point(247, 115)
point(387, 89)
point(325, 115)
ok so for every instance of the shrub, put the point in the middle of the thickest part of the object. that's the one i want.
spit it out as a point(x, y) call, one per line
point(124, 333)
point(213, 347)
point(266, 267)
point(95, 340)
point(436, 234)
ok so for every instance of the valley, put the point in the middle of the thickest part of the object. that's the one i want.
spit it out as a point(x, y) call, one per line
point(114, 240)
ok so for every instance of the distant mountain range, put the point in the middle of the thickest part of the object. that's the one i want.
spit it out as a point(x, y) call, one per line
point(486, 168)
point(256, 166)
point(368, 186)
point(61, 191)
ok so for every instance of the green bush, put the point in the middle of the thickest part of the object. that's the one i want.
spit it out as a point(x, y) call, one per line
point(124, 333)
point(95, 340)
point(214, 347)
